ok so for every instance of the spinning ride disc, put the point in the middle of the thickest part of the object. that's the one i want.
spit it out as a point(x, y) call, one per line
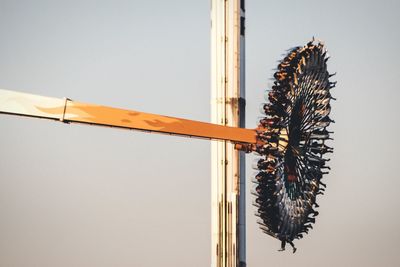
point(295, 133)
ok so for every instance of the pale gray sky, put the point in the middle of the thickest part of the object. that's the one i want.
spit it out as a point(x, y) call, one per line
point(73, 195)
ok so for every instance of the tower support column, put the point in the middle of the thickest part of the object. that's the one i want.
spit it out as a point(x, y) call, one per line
point(227, 108)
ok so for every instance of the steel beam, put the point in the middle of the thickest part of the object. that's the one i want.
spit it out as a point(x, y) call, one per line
point(68, 111)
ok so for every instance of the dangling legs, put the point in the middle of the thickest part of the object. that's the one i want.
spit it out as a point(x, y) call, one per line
point(294, 248)
point(283, 245)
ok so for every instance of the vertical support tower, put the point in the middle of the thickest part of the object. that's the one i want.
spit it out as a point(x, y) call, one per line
point(228, 248)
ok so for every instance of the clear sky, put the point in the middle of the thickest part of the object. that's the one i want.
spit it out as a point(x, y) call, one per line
point(73, 195)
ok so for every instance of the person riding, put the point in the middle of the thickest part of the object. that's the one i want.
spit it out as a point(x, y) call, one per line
point(283, 244)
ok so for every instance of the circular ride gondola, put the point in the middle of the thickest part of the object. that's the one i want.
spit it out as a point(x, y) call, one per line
point(293, 137)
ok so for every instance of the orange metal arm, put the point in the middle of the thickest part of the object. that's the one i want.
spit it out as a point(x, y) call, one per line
point(66, 110)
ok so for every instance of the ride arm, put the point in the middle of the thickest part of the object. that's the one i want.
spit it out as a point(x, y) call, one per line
point(68, 111)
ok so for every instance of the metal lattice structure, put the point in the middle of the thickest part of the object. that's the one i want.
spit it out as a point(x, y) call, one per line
point(295, 134)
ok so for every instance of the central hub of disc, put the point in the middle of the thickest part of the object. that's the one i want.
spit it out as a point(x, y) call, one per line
point(294, 137)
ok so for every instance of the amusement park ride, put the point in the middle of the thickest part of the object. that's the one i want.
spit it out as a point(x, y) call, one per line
point(290, 139)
